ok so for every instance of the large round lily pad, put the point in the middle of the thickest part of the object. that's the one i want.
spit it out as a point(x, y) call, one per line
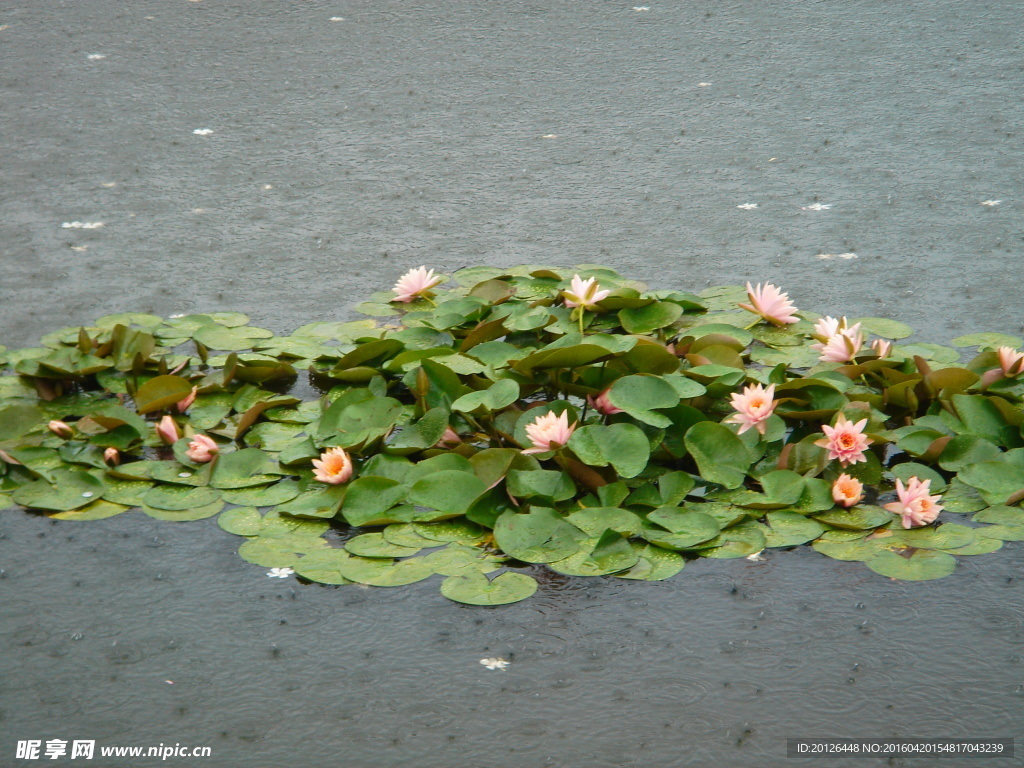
point(477, 589)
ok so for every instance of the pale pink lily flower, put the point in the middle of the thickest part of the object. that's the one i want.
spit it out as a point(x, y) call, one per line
point(549, 432)
point(111, 457)
point(603, 405)
point(915, 504)
point(202, 449)
point(827, 327)
point(584, 293)
point(882, 347)
point(183, 404)
point(847, 491)
point(167, 430)
point(845, 441)
point(60, 429)
point(842, 347)
point(333, 467)
point(753, 407)
point(1011, 361)
point(414, 284)
point(771, 304)
point(449, 439)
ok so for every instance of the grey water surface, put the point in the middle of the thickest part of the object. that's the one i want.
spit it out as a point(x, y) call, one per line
point(342, 143)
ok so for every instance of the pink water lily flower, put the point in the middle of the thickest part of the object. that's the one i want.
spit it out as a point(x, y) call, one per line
point(847, 491)
point(167, 430)
point(1011, 361)
point(449, 439)
point(771, 304)
point(333, 467)
point(584, 293)
point(414, 284)
point(827, 327)
point(843, 346)
point(845, 441)
point(184, 404)
point(60, 429)
point(753, 407)
point(202, 449)
point(882, 347)
point(603, 405)
point(915, 504)
point(549, 432)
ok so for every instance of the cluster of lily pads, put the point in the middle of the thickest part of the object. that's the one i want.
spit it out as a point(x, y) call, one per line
point(503, 423)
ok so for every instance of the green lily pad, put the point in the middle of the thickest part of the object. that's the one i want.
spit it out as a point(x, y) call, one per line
point(654, 563)
point(178, 498)
point(1002, 532)
point(279, 551)
point(721, 456)
point(450, 491)
point(640, 396)
point(460, 560)
point(499, 395)
point(982, 545)
point(71, 489)
point(856, 549)
point(161, 392)
point(1001, 515)
point(385, 573)
point(922, 565)
point(682, 528)
point(375, 545)
point(185, 515)
point(538, 536)
point(788, 529)
point(243, 469)
point(461, 531)
point(988, 340)
point(369, 500)
point(596, 520)
point(862, 517)
point(598, 556)
point(318, 502)
point(623, 446)
point(264, 495)
point(881, 326)
point(323, 566)
point(127, 492)
point(477, 589)
point(241, 521)
point(945, 536)
point(651, 317)
point(98, 510)
point(739, 541)
point(408, 535)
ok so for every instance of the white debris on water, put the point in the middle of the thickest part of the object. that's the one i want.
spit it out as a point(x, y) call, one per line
point(495, 663)
point(991, 203)
point(830, 256)
point(82, 224)
point(202, 131)
point(816, 207)
point(96, 56)
point(747, 206)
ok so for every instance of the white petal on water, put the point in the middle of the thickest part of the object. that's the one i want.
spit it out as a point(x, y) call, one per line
point(280, 573)
point(202, 131)
point(747, 206)
point(830, 256)
point(641, 8)
point(703, 85)
point(991, 203)
point(495, 663)
point(79, 247)
point(336, 18)
point(816, 207)
point(82, 224)
point(757, 557)
point(268, 186)
point(96, 56)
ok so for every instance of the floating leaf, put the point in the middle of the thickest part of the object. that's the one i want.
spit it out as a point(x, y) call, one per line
point(161, 392)
point(264, 495)
point(881, 326)
point(385, 573)
point(721, 456)
point(323, 566)
point(375, 545)
point(922, 565)
point(499, 395)
point(98, 510)
point(450, 491)
point(538, 536)
point(862, 517)
point(788, 529)
point(654, 564)
point(241, 521)
point(178, 497)
point(461, 531)
point(623, 446)
point(185, 515)
point(71, 490)
point(596, 520)
point(476, 589)
point(988, 340)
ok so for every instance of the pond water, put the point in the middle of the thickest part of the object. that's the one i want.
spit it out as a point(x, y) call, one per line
point(881, 146)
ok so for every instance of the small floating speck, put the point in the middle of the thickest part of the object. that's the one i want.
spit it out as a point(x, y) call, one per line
point(176, 317)
point(747, 206)
point(495, 663)
point(816, 207)
point(109, 184)
point(79, 247)
point(202, 131)
point(96, 56)
point(830, 256)
point(550, 136)
point(641, 8)
point(703, 85)
point(88, 495)
point(337, 18)
point(183, 474)
point(268, 186)
point(82, 224)
point(991, 203)
point(198, 210)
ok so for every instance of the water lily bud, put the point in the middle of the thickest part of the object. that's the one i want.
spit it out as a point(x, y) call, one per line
point(60, 429)
point(202, 449)
point(168, 430)
point(112, 457)
point(184, 404)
